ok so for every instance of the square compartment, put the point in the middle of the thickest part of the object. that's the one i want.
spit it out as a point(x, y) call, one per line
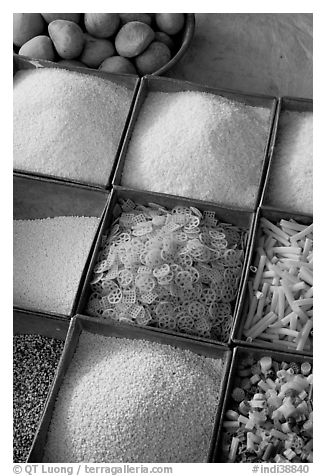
point(239, 354)
point(274, 216)
point(241, 218)
point(168, 85)
point(284, 104)
point(131, 82)
point(81, 323)
point(41, 198)
point(25, 322)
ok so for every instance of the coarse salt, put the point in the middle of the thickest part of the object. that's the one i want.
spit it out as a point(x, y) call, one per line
point(198, 145)
point(49, 257)
point(134, 401)
point(68, 124)
point(290, 184)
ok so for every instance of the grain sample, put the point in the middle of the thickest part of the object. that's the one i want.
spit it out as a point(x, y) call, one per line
point(35, 360)
point(68, 124)
point(290, 183)
point(198, 145)
point(49, 257)
point(136, 401)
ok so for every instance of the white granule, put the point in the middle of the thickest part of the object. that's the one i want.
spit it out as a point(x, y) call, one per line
point(134, 401)
point(291, 177)
point(198, 145)
point(49, 257)
point(67, 124)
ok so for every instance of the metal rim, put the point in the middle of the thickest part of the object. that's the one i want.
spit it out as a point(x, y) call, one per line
point(186, 40)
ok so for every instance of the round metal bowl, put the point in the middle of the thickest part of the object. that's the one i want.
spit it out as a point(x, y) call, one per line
point(184, 39)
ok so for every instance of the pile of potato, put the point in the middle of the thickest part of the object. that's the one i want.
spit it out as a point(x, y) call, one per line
point(114, 42)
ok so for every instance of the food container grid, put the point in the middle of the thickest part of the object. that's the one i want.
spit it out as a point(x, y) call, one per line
point(283, 104)
point(35, 198)
point(240, 218)
point(129, 81)
point(82, 323)
point(168, 85)
point(274, 216)
point(239, 353)
point(25, 322)
point(39, 197)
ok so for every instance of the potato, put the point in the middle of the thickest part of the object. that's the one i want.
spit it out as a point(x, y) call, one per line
point(170, 23)
point(118, 64)
point(156, 56)
point(72, 63)
point(96, 50)
point(67, 37)
point(39, 47)
point(133, 38)
point(48, 17)
point(164, 38)
point(143, 17)
point(26, 26)
point(102, 25)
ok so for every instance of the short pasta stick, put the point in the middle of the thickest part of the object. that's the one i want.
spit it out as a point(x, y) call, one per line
point(306, 275)
point(302, 233)
point(288, 262)
point(280, 302)
point(292, 225)
point(307, 247)
point(261, 265)
point(298, 287)
point(266, 223)
point(251, 312)
point(309, 292)
point(285, 343)
point(294, 321)
point(304, 302)
point(261, 301)
point(274, 299)
point(287, 249)
point(282, 240)
point(304, 335)
point(286, 332)
point(258, 328)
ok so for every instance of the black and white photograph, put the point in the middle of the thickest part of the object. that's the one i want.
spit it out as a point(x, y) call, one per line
point(162, 242)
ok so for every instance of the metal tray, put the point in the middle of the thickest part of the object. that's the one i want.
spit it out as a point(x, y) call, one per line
point(25, 322)
point(35, 198)
point(273, 215)
point(238, 354)
point(283, 104)
point(240, 218)
point(168, 85)
point(82, 323)
point(129, 81)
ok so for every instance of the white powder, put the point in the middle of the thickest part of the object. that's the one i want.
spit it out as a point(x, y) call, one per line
point(291, 176)
point(49, 257)
point(134, 401)
point(67, 124)
point(198, 145)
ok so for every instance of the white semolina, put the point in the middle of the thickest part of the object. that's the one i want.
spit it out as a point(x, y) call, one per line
point(67, 124)
point(134, 401)
point(198, 145)
point(49, 258)
point(290, 185)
